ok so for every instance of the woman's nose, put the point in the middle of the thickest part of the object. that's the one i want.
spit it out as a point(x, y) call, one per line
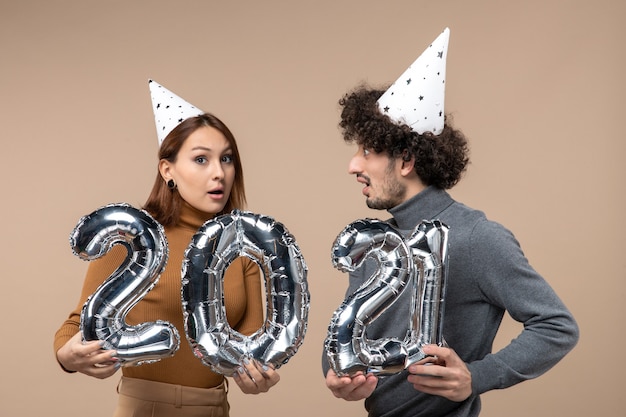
point(218, 172)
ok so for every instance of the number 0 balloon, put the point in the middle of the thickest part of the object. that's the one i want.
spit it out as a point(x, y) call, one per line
point(103, 314)
point(216, 244)
point(418, 263)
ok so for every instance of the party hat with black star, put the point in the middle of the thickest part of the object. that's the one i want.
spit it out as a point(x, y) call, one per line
point(417, 96)
point(169, 109)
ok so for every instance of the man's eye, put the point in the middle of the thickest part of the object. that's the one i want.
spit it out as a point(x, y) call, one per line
point(366, 152)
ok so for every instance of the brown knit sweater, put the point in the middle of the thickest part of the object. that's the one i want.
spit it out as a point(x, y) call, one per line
point(242, 294)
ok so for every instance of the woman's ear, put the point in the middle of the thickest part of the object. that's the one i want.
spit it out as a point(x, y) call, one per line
point(165, 169)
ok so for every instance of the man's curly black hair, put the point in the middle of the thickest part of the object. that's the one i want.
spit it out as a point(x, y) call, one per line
point(440, 160)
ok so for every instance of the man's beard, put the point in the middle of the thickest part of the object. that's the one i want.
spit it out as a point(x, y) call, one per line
point(392, 190)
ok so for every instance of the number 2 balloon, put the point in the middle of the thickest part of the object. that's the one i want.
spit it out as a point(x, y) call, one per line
point(103, 314)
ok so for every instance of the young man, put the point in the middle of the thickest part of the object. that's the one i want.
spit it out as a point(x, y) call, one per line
point(405, 165)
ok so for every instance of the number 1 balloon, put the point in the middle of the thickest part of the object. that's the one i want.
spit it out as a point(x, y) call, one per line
point(216, 244)
point(429, 245)
point(418, 263)
point(103, 316)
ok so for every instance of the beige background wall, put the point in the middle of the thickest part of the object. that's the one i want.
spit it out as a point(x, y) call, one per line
point(536, 85)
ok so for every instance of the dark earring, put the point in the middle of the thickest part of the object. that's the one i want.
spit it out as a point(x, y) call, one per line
point(171, 184)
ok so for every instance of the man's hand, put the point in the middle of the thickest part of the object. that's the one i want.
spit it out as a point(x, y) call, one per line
point(353, 388)
point(443, 373)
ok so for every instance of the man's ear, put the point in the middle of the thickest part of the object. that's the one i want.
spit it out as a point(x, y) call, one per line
point(408, 164)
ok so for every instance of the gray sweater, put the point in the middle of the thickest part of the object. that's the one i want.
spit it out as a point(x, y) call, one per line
point(488, 274)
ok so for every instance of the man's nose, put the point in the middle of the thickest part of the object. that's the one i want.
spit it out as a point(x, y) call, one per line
point(354, 166)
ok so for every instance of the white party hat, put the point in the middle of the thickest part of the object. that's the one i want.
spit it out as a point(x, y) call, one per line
point(417, 96)
point(169, 109)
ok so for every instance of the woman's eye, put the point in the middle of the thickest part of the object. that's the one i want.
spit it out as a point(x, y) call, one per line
point(366, 152)
point(227, 159)
point(201, 159)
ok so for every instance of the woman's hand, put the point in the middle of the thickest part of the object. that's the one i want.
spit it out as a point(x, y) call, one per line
point(87, 358)
point(254, 378)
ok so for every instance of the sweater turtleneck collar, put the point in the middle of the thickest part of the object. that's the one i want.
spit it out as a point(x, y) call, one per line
point(425, 205)
point(192, 218)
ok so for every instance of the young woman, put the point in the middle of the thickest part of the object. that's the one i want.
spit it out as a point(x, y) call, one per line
point(199, 176)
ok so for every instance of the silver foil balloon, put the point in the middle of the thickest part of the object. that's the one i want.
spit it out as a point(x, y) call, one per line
point(417, 263)
point(429, 246)
point(268, 243)
point(103, 316)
